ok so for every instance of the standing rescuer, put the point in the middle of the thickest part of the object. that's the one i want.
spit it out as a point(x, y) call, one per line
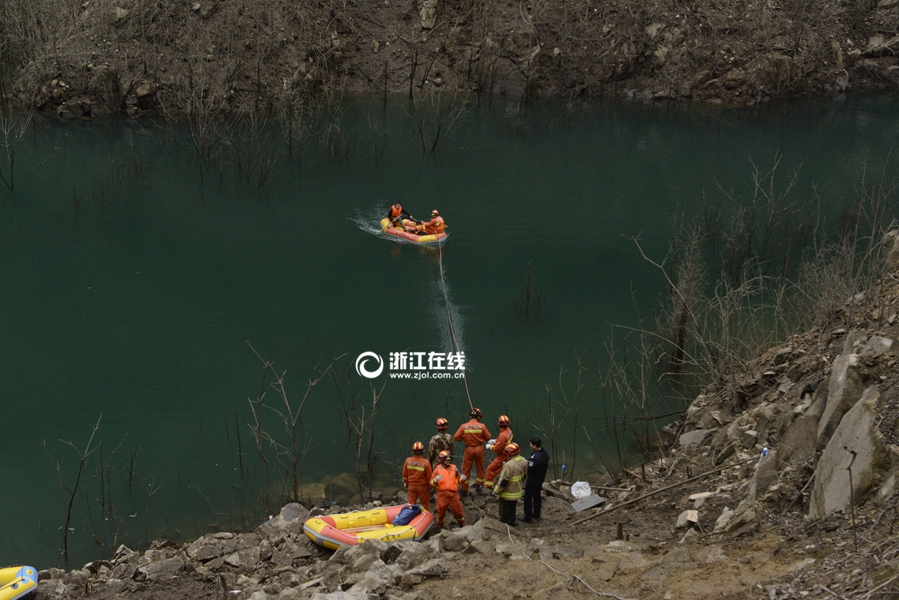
point(446, 479)
point(499, 447)
point(416, 476)
point(537, 467)
point(441, 441)
point(509, 483)
point(474, 434)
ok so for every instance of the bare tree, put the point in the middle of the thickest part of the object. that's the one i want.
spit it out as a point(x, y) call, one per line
point(433, 116)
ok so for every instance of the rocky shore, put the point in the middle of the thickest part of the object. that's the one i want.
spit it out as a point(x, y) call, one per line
point(781, 484)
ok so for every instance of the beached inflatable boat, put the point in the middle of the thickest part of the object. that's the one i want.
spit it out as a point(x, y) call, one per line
point(349, 529)
point(400, 232)
point(17, 582)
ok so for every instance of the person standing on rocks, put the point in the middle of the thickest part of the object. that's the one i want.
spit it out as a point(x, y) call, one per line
point(499, 447)
point(416, 476)
point(533, 487)
point(441, 441)
point(446, 479)
point(473, 434)
point(509, 484)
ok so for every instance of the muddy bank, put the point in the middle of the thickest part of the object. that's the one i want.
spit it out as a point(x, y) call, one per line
point(213, 57)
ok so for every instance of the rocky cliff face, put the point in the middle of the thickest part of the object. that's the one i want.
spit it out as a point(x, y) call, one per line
point(88, 59)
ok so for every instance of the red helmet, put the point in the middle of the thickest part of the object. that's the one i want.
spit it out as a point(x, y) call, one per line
point(503, 421)
point(444, 455)
point(475, 413)
point(512, 449)
point(434, 213)
point(442, 424)
point(418, 447)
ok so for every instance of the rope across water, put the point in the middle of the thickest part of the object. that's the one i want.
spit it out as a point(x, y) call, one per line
point(449, 318)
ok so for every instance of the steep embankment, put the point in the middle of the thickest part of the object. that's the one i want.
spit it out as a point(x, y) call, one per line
point(209, 57)
point(780, 484)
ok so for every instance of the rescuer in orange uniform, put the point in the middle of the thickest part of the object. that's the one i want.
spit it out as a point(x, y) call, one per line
point(499, 447)
point(446, 479)
point(435, 225)
point(396, 215)
point(474, 434)
point(416, 476)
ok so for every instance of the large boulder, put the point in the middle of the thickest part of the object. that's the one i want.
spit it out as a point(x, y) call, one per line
point(855, 442)
point(799, 443)
point(843, 391)
point(290, 520)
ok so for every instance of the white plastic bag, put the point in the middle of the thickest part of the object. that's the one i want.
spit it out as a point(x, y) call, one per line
point(580, 489)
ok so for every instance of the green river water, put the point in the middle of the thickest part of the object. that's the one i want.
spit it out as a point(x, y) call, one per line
point(137, 295)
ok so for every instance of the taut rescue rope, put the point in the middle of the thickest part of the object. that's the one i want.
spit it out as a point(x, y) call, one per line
point(449, 318)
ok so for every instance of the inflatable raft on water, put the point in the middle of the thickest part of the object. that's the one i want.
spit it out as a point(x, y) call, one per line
point(17, 582)
point(349, 529)
point(400, 232)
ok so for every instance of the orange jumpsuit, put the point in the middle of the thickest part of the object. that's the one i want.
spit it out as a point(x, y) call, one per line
point(504, 438)
point(448, 493)
point(433, 226)
point(416, 476)
point(474, 434)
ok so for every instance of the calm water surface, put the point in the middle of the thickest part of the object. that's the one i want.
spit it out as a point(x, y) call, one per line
point(137, 295)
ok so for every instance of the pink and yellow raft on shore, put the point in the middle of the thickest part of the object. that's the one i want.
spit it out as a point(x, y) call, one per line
point(349, 529)
point(400, 232)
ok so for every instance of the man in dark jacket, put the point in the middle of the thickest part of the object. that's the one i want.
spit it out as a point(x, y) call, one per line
point(533, 486)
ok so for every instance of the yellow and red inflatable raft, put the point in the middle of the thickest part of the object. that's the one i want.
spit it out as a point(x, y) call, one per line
point(349, 529)
point(17, 582)
point(400, 232)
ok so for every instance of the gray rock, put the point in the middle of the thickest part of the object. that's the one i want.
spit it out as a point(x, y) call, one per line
point(857, 434)
point(475, 532)
point(743, 519)
point(378, 579)
point(163, 569)
point(890, 243)
point(481, 546)
point(765, 474)
point(711, 554)
point(687, 518)
point(567, 552)
point(695, 437)
point(451, 541)
point(428, 14)
point(800, 439)
point(259, 595)
point(844, 390)
point(347, 595)
point(290, 520)
point(854, 339)
point(723, 519)
point(433, 568)
point(415, 555)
